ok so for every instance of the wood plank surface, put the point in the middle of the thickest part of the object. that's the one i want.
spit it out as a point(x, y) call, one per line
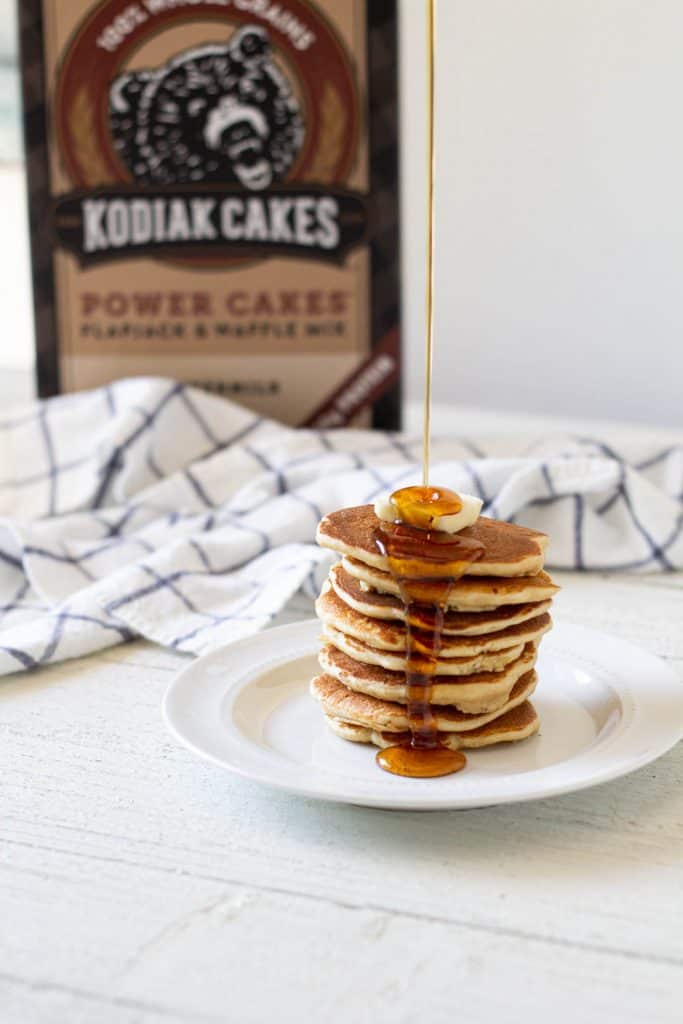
point(140, 884)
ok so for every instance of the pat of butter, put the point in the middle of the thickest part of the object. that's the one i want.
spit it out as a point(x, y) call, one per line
point(468, 514)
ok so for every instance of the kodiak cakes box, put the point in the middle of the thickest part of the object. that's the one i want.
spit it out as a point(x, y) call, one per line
point(213, 196)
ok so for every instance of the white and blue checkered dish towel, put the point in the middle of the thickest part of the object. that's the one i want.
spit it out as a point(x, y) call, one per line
point(151, 509)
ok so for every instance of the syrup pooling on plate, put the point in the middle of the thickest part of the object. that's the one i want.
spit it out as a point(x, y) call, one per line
point(418, 763)
point(417, 556)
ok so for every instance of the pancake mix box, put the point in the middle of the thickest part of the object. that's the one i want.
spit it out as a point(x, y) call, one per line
point(214, 197)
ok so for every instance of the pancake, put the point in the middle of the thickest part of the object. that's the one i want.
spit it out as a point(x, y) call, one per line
point(469, 594)
point(479, 692)
point(510, 550)
point(387, 716)
point(393, 636)
point(514, 725)
point(386, 606)
point(488, 661)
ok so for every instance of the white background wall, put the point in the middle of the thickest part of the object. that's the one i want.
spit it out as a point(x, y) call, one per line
point(560, 212)
point(560, 224)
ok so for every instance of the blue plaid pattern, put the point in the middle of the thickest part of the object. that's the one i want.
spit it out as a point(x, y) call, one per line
point(148, 508)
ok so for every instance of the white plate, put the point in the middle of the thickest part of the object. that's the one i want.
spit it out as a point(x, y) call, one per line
point(606, 708)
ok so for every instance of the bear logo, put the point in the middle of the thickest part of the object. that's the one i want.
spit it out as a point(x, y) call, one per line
point(217, 113)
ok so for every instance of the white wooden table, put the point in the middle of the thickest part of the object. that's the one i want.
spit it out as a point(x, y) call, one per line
point(140, 885)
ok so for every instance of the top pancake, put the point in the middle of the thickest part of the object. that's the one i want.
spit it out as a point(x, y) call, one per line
point(510, 550)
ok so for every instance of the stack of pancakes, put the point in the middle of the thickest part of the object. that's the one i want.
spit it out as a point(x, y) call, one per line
point(495, 618)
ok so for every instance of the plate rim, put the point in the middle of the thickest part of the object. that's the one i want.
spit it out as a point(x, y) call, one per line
point(410, 801)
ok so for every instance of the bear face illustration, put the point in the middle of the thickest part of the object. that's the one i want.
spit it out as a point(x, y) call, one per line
point(211, 114)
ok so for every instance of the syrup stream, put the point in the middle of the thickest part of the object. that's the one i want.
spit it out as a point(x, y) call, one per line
point(419, 556)
point(429, 297)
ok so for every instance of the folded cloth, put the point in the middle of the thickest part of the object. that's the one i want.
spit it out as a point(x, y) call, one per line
point(149, 508)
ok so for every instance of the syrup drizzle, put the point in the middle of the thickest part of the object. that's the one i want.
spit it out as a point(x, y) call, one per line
point(429, 297)
point(423, 560)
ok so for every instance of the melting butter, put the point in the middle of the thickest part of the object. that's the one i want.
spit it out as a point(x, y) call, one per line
point(387, 510)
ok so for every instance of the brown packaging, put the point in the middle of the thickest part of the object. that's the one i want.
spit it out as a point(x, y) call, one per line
point(214, 197)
